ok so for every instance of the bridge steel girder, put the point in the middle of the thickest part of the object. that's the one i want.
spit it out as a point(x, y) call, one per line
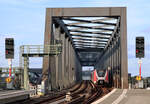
point(57, 58)
point(88, 12)
point(89, 27)
point(105, 23)
point(90, 32)
point(70, 45)
point(89, 50)
point(86, 36)
point(63, 60)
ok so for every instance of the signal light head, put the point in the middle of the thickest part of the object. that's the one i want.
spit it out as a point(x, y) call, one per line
point(139, 47)
point(9, 48)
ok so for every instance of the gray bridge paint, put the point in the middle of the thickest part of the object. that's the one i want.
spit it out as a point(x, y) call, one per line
point(62, 70)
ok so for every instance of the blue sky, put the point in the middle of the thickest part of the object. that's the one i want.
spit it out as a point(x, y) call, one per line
point(24, 20)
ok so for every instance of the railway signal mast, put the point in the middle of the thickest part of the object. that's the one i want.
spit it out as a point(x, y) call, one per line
point(139, 53)
point(9, 53)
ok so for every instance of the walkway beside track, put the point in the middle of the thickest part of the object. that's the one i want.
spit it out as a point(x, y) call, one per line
point(126, 96)
point(9, 96)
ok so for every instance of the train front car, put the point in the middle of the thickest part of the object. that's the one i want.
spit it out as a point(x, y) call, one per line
point(101, 78)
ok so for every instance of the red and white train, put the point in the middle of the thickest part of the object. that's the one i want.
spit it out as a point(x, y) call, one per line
point(100, 77)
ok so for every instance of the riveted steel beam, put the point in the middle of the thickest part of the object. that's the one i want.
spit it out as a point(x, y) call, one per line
point(65, 29)
point(75, 44)
point(89, 46)
point(88, 27)
point(62, 25)
point(88, 32)
point(89, 50)
point(82, 39)
point(113, 34)
point(87, 36)
point(87, 21)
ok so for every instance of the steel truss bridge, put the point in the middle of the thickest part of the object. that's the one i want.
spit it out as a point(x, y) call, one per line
point(76, 37)
point(90, 37)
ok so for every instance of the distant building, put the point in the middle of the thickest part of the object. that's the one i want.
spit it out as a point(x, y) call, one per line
point(86, 75)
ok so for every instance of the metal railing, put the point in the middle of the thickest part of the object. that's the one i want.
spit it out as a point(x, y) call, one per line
point(41, 49)
point(27, 51)
point(6, 70)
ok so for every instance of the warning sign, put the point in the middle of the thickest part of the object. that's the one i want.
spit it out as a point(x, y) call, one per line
point(8, 80)
point(138, 78)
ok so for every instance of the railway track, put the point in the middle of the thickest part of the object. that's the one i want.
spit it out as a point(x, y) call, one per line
point(51, 97)
point(90, 94)
point(84, 93)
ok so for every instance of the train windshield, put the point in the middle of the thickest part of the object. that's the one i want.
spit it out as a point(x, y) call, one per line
point(101, 73)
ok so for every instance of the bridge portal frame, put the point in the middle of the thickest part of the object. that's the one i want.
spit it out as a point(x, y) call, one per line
point(90, 12)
